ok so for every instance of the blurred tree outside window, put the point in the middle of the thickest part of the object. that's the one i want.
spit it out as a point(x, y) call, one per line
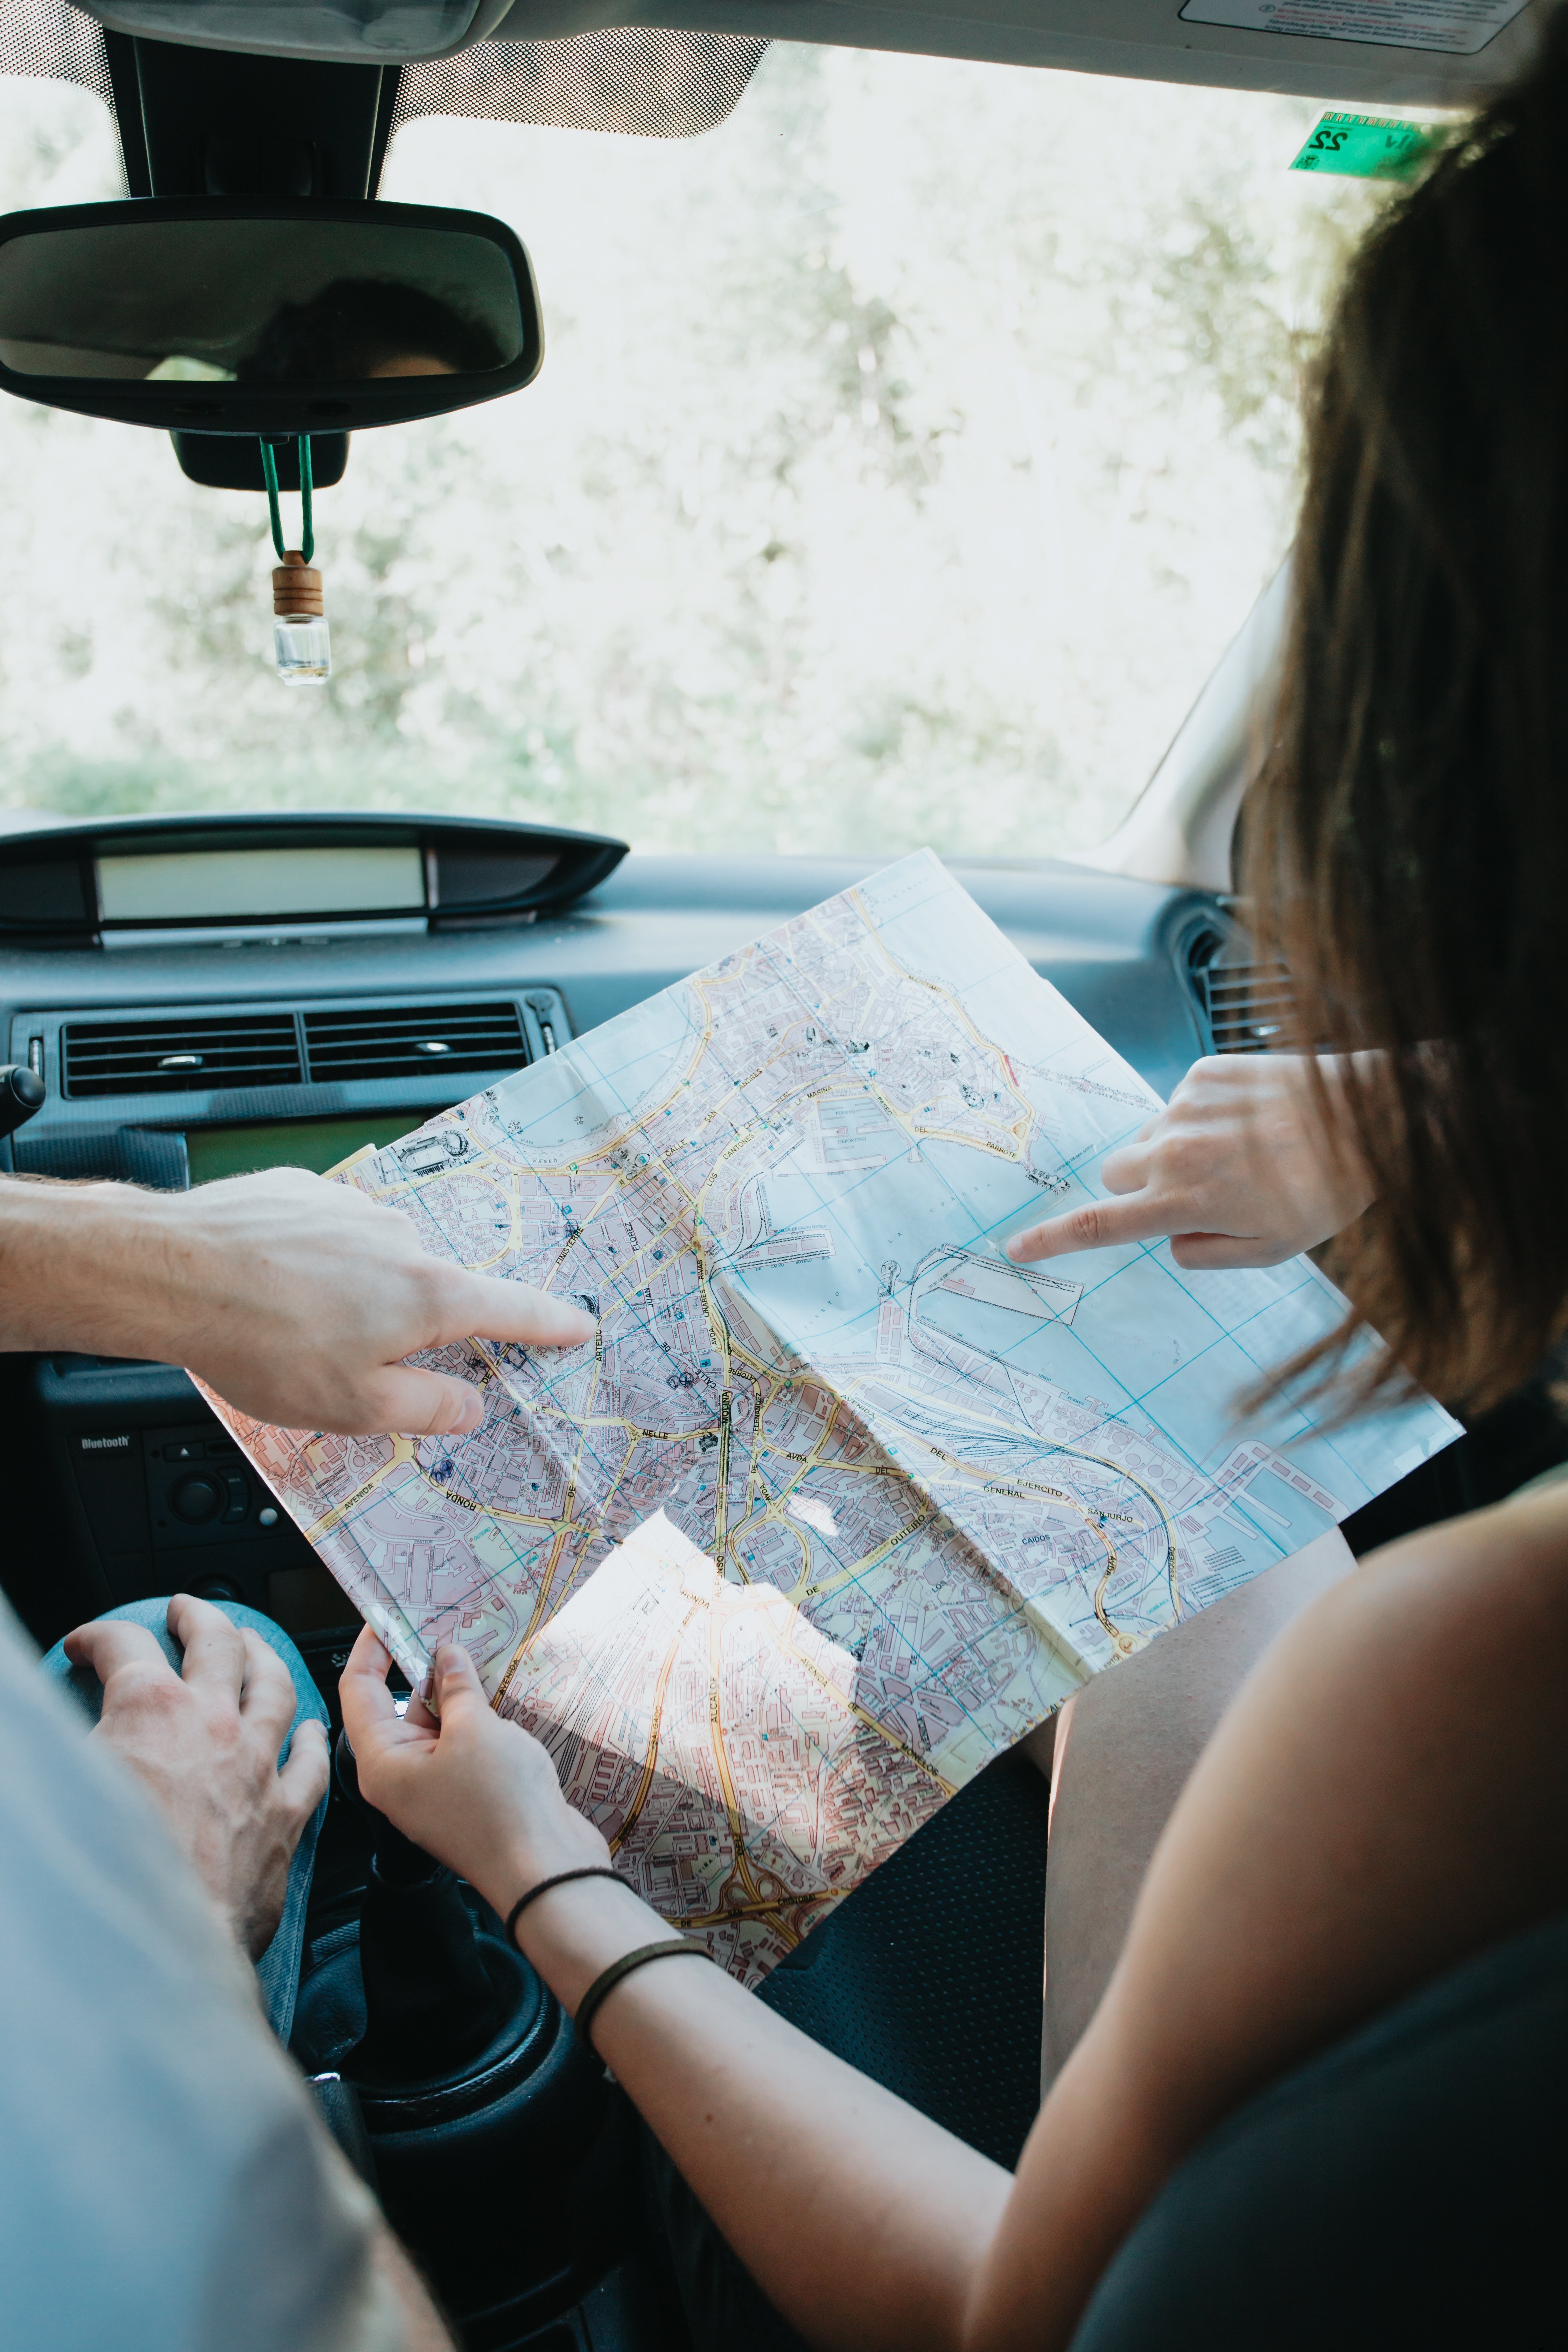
point(906, 452)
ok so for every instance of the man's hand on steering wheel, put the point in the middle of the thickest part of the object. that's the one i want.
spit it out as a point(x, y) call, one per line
point(205, 1744)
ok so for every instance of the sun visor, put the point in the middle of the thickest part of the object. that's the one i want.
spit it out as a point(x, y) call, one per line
point(1427, 52)
point(350, 32)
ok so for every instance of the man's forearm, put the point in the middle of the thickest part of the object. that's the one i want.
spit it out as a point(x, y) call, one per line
point(297, 1300)
point(99, 1268)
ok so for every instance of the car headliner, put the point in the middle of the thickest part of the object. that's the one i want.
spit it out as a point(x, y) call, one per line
point(1144, 39)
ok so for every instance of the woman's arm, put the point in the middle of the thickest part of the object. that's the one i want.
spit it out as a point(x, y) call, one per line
point(1389, 1793)
point(1125, 1746)
point(1238, 1169)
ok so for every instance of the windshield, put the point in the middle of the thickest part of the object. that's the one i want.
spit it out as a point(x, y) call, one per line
point(906, 452)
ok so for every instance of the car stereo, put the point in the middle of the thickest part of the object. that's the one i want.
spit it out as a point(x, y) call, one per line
point(154, 1496)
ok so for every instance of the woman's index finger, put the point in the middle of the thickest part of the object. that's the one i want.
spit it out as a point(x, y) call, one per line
point(1100, 1224)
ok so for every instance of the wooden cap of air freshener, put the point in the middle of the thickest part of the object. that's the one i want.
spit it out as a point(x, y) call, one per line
point(296, 588)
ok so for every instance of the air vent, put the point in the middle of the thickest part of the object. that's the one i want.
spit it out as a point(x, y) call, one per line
point(162, 1057)
point(1250, 1007)
point(412, 1040)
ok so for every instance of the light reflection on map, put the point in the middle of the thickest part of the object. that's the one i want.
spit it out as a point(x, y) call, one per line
point(911, 1495)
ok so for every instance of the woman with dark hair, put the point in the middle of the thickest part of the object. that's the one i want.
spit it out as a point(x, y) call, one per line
point(1320, 2100)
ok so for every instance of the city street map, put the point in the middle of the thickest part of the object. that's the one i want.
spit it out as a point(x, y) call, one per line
point(839, 1503)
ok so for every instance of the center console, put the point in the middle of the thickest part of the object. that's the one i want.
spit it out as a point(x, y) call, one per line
point(190, 999)
point(150, 1495)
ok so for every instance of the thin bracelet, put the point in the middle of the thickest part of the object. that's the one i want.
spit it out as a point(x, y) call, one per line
point(588, 2007)
point(561, 1878)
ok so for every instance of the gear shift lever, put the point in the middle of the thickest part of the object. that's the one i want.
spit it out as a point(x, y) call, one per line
point(21, 1094)
point(430, 2000)
point(499, 2146)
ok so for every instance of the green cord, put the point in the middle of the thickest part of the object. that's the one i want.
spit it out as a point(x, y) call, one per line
point(269, 475)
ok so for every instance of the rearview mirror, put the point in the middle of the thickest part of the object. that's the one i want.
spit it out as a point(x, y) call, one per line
point(263, 316)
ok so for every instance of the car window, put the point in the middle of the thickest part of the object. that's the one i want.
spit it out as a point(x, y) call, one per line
point(907, 450)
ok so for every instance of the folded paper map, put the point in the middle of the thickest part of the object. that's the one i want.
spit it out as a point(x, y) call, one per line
point(839, 1503)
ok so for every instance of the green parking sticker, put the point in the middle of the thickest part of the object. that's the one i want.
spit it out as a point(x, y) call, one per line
point(1367, 146)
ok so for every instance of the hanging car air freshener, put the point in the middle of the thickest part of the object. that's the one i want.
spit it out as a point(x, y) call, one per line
point(301, 638)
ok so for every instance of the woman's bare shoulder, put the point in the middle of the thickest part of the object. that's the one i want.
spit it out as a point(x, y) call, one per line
point(1524, 1536)
point(1490, 1586)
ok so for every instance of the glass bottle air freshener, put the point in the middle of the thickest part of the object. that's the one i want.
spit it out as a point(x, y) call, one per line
point(300, 637)
point(301, 640)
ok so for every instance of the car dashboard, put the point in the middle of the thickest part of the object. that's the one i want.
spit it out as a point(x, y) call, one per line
point(182, 1031)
